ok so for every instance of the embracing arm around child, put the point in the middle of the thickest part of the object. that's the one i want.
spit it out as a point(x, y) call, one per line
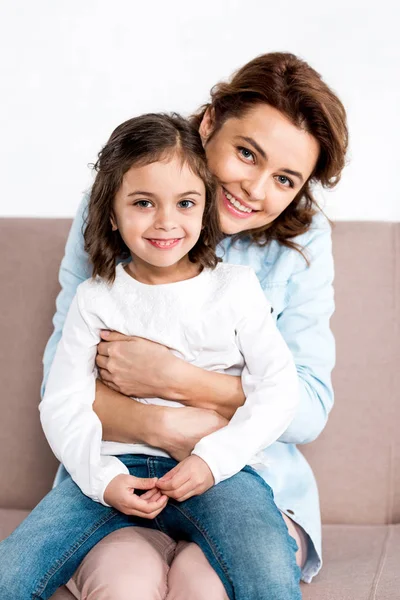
point(269, 380)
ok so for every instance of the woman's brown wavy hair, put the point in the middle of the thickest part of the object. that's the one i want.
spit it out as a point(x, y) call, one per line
point(141, 141)
point(291, 86)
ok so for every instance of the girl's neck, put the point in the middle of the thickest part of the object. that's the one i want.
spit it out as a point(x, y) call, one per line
point(153, 275)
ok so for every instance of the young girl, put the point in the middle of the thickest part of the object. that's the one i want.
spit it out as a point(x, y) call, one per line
point(153, 201)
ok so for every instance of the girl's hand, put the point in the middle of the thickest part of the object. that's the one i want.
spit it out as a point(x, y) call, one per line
point(120, 494)
point(191, 477)
point(135, 366)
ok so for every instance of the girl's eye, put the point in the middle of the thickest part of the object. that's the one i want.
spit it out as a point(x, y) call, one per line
point(186, 203)
point(246, 153)
point(143, 203)
point(283, 180)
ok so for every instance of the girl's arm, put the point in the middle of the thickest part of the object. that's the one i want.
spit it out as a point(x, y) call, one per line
point(270, 383)
point(304, 325)
point(72, 429)
point(123, 419)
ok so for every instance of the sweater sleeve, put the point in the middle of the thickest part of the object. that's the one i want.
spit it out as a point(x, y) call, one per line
point(270, 384)
point(304, 325)
point(72, 428)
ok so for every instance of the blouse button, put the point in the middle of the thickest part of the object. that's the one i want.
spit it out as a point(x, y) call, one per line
point(291, 512)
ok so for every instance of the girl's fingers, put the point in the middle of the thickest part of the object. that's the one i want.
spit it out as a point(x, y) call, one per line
point(150, 510)
point(136, 503)
point(173, 481)
point(147, 495)
point(187, 488)
point(151, 495)
point(187, 496)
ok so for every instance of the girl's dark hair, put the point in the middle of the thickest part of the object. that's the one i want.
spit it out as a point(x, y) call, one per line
point(290, 85)
point(141, 141)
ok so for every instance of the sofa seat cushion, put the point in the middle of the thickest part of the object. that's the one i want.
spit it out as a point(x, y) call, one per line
point(361, 562)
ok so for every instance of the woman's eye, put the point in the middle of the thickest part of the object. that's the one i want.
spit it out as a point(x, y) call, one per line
point(186, 204)
point(283, 180)
point(246, 154)
point(143, 203)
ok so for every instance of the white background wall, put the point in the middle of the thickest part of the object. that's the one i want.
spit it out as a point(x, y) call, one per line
point(72, 70)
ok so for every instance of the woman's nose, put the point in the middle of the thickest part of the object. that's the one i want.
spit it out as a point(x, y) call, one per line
point(256, 188)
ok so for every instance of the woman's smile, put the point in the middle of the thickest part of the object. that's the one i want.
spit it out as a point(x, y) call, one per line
point(235, 205)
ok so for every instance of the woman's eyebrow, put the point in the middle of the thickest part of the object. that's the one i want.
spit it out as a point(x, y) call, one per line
point(253, 143)
point(257, 147)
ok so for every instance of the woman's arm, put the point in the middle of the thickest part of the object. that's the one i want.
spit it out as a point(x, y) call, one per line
point(304, 325)
point(175, 431)
point(138, 367)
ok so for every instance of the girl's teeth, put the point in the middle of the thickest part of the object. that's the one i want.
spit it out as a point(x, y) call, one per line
point(160, 243)
point(237, 204)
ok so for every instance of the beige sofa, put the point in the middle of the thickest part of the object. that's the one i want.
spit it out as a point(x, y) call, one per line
point(356, 459)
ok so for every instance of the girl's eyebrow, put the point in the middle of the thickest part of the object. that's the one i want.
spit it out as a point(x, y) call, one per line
point(257, 147)
point(144, 193)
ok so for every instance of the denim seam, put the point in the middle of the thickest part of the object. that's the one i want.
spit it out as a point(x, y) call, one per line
point(67, 555)
point(153, 473)
point(212, 543)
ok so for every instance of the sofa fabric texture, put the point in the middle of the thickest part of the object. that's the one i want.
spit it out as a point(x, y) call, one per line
point(356, 460)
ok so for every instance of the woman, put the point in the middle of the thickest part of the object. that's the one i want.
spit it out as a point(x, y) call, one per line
point(269, 134)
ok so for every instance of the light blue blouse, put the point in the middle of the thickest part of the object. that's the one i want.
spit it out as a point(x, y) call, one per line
point(302, 299)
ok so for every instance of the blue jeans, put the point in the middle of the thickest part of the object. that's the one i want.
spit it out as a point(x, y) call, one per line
point(236, 523)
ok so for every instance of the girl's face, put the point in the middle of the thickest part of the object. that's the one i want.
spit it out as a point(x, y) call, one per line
point(261, 161)
point(158, 211)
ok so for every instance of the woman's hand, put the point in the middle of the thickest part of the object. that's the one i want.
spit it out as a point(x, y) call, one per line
point(191, 477)
point(182, 428)
point(135, 366)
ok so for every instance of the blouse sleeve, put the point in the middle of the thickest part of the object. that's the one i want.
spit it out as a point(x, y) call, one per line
point(270, 384)
point(74, 269)
point(304, 325)
point(72, 428)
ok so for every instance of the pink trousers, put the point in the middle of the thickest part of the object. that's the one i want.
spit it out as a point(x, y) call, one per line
point(135, 563)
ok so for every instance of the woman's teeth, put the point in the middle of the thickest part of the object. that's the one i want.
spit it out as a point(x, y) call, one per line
point(236, 203)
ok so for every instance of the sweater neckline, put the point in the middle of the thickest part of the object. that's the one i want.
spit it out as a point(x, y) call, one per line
point(121, 271)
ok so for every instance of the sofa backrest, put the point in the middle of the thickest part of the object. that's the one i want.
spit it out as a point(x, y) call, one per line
point(357, 457)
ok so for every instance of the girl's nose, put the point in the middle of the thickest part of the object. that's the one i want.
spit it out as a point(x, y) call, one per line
point(165, 220)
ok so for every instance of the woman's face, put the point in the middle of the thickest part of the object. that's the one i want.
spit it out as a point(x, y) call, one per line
point(261, 161)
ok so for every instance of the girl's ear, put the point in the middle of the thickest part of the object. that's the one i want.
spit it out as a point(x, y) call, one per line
point(114, 226)
point(207, 125)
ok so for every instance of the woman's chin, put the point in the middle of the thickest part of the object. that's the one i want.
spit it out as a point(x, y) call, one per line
point(231, 226)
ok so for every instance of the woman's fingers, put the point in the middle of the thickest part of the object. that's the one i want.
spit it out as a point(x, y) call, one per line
point(114, 336)
point(101, 361)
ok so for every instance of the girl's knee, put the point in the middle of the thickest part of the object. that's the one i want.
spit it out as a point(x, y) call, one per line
point(191, 576)
point(129, 564)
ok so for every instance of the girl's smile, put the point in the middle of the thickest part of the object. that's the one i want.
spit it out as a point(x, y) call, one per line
point(158, 211)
